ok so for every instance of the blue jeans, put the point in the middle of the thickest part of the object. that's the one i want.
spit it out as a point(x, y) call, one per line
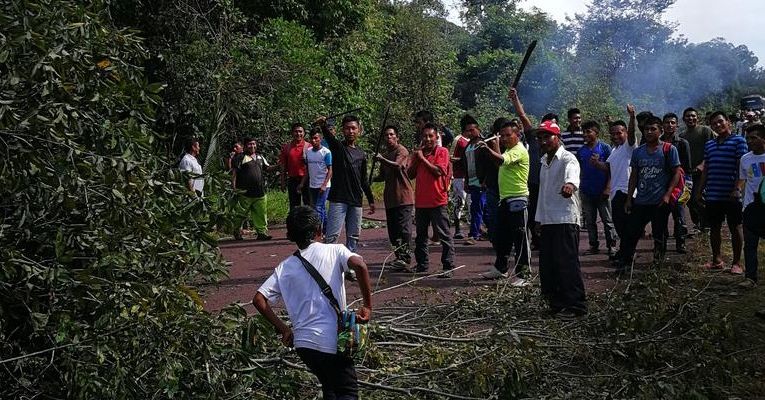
point(339, 214)
point(594, 206)
point(751, 240)
point(477, 208)
point(319, 202)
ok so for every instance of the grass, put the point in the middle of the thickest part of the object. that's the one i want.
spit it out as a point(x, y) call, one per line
point(279, 205)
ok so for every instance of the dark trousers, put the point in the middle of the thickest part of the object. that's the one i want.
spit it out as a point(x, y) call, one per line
point(511, 236)
point(531, 222)
point(640, 216)
point(399, 222)
point(592, 206)
point(295, 196)
point(423, 218)
point(491, 209)
point(696, 211)
point(335, 372)
point(751, 241)
point(560, 274)
point(620, 217)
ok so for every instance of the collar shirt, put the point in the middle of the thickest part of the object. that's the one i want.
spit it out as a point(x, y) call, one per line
point(552, 207)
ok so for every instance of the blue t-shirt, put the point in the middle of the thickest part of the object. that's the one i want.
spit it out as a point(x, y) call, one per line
point(593, 180)
point(654, 176)
point(721, 163)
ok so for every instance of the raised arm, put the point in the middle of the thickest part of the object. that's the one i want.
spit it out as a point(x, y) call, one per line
point(631, 125)
point(513, 96)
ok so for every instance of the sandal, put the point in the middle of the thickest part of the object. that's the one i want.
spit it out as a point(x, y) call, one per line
point(713, 266)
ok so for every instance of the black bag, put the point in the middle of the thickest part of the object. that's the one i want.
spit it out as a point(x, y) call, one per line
point(754, 214)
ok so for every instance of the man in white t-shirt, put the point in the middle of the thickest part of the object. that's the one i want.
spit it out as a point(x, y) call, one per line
point(319, 161)
point(751, 172)
point(624, 141)
point(314, 320)
point(189, 163)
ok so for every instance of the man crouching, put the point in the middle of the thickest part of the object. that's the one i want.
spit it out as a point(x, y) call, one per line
point(314, 320)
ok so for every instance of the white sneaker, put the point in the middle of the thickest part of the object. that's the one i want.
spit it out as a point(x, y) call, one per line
point(493, 273)
point(519, 282)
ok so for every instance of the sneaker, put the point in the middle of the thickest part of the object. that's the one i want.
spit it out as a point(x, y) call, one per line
point(398, 266)
point(610, 252)
point(569, 314)
point(615, 256)
point(447, 273)
point(747, 284)
point(494, 273)
point(434, 242)
point(469, 242)
point(681, 249)
point(420, 269)
point(263, 236)
point(459, 236)
point(736, 269)
point(592, 251)
point(519, 282)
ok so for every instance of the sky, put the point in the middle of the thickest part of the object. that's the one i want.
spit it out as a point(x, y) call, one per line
point(735, 20)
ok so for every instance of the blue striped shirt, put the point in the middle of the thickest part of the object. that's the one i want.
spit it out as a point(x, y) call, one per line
point(721, 164)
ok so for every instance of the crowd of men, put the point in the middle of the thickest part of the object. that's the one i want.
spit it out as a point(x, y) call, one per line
point(526, 187)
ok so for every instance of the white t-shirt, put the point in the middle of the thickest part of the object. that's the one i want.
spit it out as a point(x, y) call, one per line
point(619, 163)
point(189, 163)
point(552, 208)
point(314, 322)
point(751, 169)
point(317, 162)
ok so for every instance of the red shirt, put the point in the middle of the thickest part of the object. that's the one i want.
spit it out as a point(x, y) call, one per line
point(431, 190)
point(292, 158)
point(459, 152)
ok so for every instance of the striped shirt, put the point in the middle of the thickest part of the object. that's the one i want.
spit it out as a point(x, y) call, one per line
point(721, 160)
point(572, 141)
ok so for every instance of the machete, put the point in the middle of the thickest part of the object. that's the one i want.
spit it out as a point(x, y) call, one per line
point(525, 61)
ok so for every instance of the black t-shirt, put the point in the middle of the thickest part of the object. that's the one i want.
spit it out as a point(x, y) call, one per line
point(349, 167)
point(249, 174)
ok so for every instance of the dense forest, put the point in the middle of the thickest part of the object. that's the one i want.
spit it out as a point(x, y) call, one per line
point(101, 248)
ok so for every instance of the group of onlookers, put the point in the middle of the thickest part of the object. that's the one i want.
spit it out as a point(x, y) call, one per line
point(528, 187)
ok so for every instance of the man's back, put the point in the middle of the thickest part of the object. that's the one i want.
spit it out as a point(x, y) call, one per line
point(314, 322)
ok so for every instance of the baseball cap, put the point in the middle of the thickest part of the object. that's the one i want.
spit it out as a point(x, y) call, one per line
point(550, 126)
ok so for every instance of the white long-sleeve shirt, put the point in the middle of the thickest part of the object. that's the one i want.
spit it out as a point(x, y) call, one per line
point(552, 207)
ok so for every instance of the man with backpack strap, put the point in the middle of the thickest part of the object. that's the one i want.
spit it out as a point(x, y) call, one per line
point(655, 173)
point(314, 319)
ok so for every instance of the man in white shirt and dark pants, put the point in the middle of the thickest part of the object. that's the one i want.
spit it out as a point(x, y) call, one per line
point(314, 320)
point(189, 163)
point(559, 216)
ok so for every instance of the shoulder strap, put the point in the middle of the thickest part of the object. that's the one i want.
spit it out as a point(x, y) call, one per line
point(325, 289)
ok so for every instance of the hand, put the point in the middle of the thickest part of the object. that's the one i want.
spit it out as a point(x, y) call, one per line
point(631, 110)
point(699, 201)
point(287, 336)
point(567, 190)
point(321, 120)
point(363, 314)
point(512, 94)
point(299, 188)
point(371, 209)
point(283, 187)
point(322, 188)
point(417, 152)
point(665, 200)
point(379, 157)
point(606, 193)
point(595, 160)
point(628, 206)
point(735, 194)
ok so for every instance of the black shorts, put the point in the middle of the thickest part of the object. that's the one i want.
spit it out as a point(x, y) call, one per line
point(719, 211)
